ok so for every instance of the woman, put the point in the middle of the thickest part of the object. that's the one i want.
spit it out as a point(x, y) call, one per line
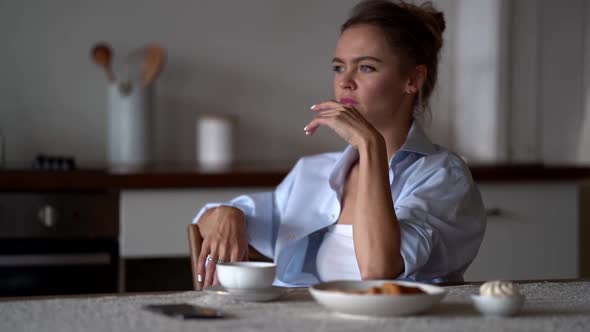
point(392, 204)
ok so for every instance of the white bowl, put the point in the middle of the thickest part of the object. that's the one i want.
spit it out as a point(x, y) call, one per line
point(245, 275)
point(498, 305)
point(375, 305)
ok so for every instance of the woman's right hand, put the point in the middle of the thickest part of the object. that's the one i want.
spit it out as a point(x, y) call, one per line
point(225, 238)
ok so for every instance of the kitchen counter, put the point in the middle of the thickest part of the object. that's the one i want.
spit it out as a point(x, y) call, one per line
point(549, 306)
point(189, 176)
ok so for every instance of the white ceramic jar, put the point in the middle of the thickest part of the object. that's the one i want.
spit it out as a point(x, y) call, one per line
point(131, 116)
point(214, 140)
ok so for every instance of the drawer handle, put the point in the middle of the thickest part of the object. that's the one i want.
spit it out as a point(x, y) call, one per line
point(47, 216)
point(494, 212)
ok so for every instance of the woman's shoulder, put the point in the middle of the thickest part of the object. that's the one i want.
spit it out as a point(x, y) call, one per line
point(449, 157)
point(443, 158)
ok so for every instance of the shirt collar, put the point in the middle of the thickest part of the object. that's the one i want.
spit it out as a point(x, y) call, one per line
point(416, 142)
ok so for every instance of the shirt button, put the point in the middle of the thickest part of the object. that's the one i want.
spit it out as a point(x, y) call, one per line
point(332, 216)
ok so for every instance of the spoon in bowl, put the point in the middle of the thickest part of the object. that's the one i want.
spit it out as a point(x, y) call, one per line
point(102, 55)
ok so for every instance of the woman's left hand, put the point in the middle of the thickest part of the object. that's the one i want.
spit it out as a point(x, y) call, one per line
point(345, 120)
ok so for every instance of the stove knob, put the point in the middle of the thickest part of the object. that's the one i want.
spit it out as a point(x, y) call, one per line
point(47, 216)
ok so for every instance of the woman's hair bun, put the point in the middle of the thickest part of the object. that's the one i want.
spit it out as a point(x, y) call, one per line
point(439, 18)
point(430, 16)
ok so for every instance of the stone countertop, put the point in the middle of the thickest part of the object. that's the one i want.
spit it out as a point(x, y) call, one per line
point(549, 306)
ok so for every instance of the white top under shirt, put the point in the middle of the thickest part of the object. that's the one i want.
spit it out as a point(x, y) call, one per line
point(336, 259)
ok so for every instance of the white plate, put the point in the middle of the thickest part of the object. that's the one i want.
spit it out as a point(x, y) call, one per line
point(262, 295)
point(375, 305)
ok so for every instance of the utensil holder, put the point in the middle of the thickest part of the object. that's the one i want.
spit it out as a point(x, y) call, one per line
point(131, 123)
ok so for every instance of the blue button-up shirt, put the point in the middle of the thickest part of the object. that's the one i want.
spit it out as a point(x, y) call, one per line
point(437, 204)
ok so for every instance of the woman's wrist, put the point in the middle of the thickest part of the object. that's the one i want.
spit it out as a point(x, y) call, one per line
point(372, 144)
point(222, 212)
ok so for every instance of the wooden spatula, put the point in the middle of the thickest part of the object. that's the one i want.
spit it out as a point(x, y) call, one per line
point(153, 62)
point(102, 55)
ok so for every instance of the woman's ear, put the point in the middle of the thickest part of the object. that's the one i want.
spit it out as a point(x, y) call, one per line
point(416, 79)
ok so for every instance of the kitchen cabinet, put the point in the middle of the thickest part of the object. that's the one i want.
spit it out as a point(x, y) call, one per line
point(154, 221)
point(56, 242)
point(532, 231)
point(537, 213)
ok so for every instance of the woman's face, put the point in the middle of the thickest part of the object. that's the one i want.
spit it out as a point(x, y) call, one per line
point(367, 75)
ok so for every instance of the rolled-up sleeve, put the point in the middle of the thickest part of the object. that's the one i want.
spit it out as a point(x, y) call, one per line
point(442, 221)
point(416, 240)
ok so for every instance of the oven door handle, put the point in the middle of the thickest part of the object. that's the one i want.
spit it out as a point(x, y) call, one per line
point(95, 258)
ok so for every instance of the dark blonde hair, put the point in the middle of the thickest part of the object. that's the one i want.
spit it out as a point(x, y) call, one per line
point(415, 31)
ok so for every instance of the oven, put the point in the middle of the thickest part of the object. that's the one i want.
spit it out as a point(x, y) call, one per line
point(55, 243)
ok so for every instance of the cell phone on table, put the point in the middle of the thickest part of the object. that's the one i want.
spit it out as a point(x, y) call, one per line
point(184, 310)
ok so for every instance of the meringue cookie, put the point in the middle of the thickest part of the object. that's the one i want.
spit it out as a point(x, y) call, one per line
point(499, 288)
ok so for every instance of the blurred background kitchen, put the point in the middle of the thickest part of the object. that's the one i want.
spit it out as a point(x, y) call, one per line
point(513, 98)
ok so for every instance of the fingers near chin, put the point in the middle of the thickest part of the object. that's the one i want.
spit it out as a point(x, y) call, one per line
point(325, 104)
point(329, 114)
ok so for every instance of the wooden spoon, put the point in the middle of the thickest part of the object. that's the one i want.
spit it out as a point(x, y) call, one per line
point(102, 55)
point(153, 62)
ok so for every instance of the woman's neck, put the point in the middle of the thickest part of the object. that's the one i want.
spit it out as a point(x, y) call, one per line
point(395, 134)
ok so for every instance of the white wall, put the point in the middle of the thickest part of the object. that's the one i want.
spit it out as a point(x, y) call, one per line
point(267, 61)
point(264, 61)
point(561, 68)
point(517, 82)
point(478, 75)
point(584, 146)
point(524, 74)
